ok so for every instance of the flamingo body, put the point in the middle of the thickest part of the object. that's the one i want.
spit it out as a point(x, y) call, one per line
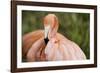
point(57, 48)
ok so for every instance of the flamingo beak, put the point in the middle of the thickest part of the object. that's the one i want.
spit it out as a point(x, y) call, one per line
point(47, 28)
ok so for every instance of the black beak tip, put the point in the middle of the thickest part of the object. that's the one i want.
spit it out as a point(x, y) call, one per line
point(46, 40)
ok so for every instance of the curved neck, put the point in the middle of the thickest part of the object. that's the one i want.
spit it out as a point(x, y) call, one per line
point(51, 26)
point(53, 31)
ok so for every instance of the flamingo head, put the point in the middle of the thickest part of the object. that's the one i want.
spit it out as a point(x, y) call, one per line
point(50, 25)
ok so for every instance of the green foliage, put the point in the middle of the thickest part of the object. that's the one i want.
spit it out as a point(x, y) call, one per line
point(74, 26)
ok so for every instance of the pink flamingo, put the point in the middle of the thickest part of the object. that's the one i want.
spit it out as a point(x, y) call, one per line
point(48, 45)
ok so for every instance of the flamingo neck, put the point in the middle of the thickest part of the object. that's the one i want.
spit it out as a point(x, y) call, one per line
point(53, 32)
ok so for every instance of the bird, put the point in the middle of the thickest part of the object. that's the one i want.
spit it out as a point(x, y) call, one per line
point(49, 45)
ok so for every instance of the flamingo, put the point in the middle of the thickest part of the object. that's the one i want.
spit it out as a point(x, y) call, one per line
point(49, 45)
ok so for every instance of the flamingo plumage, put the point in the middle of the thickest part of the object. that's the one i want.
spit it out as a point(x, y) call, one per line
point(54, 47)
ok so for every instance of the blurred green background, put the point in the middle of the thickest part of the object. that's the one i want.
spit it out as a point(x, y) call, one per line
point(74, 26)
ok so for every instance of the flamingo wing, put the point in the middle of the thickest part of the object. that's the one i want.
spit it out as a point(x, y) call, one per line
point(35, 52)
point(60, 48)
point(73, 50)
point(29, 39)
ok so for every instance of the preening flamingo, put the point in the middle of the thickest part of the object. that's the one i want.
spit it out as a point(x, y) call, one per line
point(48, 45)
